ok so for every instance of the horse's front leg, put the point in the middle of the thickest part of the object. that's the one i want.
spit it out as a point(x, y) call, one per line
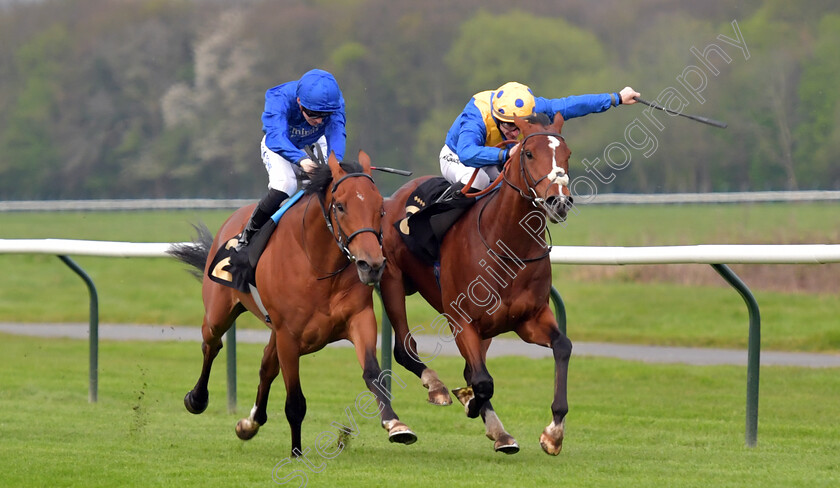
point(494, 430)
point(479, 382)
point(405, 347)
point(269, 369)
point(288, 354)
point(362, 333)
point(543, 330)
point(218, 318)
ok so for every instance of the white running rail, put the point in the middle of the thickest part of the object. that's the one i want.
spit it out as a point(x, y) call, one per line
point(605, 255)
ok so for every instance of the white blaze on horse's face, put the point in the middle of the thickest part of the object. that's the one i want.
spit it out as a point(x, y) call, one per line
point(557, 175)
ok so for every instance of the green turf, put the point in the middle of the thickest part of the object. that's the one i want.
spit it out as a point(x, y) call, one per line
point(630, 424)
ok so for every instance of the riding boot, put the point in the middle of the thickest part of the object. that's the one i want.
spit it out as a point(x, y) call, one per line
point(264, 210)
point(456, 191)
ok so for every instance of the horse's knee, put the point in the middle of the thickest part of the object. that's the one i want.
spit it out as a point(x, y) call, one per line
point(371, 373)
point(211, 348)
point(268, 372)
point(562, 347)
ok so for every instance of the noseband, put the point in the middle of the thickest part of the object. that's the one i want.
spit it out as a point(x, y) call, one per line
point(341, 237)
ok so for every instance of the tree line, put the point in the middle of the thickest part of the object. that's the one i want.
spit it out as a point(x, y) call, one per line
point(152, 98)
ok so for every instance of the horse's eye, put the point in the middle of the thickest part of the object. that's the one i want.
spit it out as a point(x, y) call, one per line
point(339, 207)
point(381, 212)
point(529, 154)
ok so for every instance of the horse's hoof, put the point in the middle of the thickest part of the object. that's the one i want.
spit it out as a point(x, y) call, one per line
point(195, 405)
point(440, 397)
point(246, 429)
point(505, 443)
point(549, 446)
point(403, 437)
point(464, 395)
point(551, 440)
point(506, 447)
point(399, 432)
point(438, 393)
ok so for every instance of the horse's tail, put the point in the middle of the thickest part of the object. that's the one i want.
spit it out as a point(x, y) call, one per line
point(194, 253)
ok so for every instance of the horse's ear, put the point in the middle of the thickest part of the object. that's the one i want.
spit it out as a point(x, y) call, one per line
point(557, 125)
point(364, 160)
point(337, 172)
point(520, 122)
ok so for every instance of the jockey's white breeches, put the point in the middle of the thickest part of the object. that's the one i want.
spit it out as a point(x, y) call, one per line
point(282, 172)
point(457, 172)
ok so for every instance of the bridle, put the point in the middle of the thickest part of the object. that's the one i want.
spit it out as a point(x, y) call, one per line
point(341, 238)
point(531, 183)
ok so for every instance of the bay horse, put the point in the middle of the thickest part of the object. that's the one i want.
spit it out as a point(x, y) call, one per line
point(494, 276)
point(309, 295)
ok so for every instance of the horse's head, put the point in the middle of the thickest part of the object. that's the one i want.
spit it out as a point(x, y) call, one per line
point(355, 212)
point(541, 165)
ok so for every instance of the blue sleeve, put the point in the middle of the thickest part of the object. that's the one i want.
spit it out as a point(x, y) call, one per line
point(468, 137)
point(275, 121)
point(336, 133)
point(577, 105)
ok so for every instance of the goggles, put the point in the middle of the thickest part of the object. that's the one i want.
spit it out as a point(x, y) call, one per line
point(314, 114)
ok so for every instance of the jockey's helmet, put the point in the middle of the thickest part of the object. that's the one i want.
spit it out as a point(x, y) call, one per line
point(512, 99)
point(318, 91)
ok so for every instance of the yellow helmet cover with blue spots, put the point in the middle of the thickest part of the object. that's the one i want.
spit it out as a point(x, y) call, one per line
point(512, 99)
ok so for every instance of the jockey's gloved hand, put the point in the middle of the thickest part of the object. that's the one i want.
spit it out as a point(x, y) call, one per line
point(308, 165)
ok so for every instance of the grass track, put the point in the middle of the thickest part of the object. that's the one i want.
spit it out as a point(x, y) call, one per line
point(630, 424)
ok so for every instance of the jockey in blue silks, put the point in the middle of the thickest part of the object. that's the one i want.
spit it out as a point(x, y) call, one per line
point(487, 120)
point(297, 114)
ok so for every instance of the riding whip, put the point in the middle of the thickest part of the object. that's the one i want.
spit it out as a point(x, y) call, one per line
point(704, 120)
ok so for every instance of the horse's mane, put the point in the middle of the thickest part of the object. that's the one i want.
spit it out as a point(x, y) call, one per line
point(538, 118)
point(322, 178)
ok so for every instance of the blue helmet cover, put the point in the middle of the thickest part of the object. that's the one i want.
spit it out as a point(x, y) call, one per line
point(318, 90)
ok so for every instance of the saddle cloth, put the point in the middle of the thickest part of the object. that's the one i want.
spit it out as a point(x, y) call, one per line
point(239, 269)
point(427, 219)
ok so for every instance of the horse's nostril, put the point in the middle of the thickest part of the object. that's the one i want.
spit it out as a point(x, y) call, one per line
point(363, 265)
point(557, 207)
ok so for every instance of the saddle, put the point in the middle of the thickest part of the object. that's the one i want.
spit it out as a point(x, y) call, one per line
point(431, 210)
point(238, 270)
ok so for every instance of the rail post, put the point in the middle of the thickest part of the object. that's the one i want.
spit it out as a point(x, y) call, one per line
point(93, 333)
point(559, 310)
point(753, 351)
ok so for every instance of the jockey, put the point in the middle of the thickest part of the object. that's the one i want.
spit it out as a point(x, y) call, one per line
point(297, 114)
point(487, 120)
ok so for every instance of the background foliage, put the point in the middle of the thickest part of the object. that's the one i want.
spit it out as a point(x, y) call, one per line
point(151, 98)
